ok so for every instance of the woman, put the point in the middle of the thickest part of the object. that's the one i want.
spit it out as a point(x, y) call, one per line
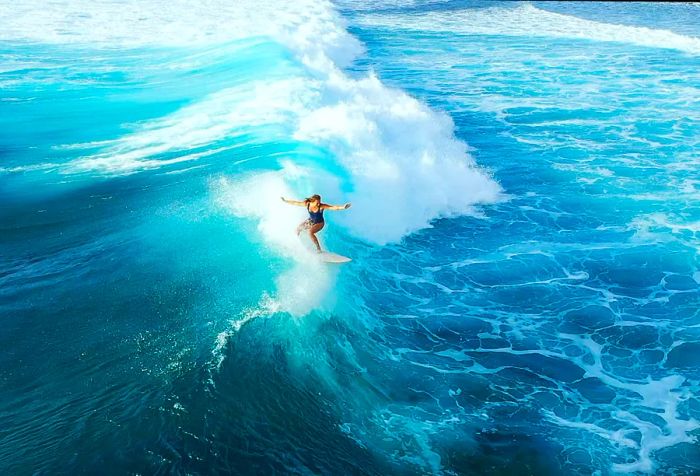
point(315, 221)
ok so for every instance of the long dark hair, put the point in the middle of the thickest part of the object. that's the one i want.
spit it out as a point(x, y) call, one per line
point(313, 198)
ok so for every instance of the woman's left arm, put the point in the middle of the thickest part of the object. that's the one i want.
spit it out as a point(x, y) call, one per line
point(336, 207)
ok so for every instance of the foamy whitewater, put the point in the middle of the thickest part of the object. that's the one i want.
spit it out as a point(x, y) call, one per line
point(524, 295)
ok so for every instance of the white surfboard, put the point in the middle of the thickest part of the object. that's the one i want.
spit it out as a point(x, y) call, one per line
point(329, 257)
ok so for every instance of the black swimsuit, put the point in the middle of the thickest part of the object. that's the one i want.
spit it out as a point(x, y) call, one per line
point(315, 217)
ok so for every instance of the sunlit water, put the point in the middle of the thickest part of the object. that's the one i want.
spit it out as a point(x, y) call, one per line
point(524, 293)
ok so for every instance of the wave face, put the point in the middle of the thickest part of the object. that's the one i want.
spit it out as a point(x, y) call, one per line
point(525, 283)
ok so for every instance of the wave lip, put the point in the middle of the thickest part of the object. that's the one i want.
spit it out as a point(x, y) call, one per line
point(397, 160)
point(406, 166)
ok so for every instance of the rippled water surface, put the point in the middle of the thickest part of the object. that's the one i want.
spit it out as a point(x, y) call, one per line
point(524, 293)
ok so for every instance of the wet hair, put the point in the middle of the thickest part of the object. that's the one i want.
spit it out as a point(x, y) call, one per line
point(313, 198)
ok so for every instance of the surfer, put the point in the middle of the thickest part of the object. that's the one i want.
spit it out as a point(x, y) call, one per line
point(315, 222)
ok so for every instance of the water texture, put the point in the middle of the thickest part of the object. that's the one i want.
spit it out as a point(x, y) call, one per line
point(524, 295)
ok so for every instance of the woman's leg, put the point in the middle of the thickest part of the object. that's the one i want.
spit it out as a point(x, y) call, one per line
point(313, 229)
point(303, 226)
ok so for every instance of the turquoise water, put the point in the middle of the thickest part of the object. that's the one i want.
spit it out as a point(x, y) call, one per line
point(524, 293)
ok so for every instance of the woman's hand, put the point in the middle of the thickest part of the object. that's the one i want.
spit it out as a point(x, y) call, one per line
point(347, 205)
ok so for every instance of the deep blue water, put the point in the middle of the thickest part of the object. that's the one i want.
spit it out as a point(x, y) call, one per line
point(524, 295)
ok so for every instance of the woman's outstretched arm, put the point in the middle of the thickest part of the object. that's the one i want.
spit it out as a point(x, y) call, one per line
point(325, 206)
point(299, 203)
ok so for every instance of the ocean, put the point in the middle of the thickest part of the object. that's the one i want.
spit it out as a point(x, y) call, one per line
point(524, 291)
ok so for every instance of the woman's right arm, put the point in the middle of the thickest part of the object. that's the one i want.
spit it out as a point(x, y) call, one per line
point(294, 202)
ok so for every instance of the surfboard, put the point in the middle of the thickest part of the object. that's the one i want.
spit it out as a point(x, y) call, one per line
point(329, 257)
point(325, 256)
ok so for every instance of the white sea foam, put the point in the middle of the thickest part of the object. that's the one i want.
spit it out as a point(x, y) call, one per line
point(407, 168)
point(399, 159)
point(404, 164)
point(662, 227)
point(219, 116)
point(266, 307)
point(306, 26)
point(394, 158)
point(301, 288)
point(663, 395)
point(529, 21)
